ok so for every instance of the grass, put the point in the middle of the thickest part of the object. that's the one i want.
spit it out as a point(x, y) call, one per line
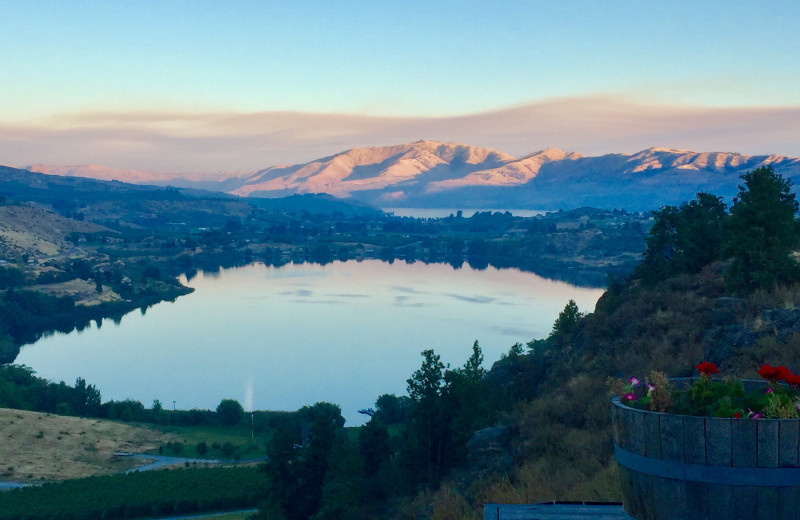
point(215, 437)
point(37, 446)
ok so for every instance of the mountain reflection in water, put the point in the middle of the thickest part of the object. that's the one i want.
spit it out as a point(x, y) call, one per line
point(280, 338)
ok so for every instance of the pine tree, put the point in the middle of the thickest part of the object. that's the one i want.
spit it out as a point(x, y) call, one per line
point(763, 232)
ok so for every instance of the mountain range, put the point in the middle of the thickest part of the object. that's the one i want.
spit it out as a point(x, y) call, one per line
point(436, 174)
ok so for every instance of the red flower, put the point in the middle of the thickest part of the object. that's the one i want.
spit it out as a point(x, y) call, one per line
point(737, 415)
point(783, 372)
point(771, 373)
point(706, 368)
point(792, 380)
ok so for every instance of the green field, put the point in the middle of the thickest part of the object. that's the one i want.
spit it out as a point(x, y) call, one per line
point(137, 495)
point(240, 443)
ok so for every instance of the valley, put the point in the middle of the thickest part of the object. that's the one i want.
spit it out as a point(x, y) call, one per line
point(77, 250)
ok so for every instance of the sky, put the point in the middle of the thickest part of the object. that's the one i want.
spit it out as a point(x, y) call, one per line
point(226, 86)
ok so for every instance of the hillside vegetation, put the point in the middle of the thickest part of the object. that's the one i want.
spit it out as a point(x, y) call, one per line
point(710, 287)
point(713, 285)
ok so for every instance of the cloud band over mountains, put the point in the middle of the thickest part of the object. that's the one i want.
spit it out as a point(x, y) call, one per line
point(217, 141)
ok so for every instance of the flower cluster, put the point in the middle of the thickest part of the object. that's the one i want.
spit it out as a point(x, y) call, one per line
point(777, 374)
point(656, 394)
point(707, 369)
point(707, 396)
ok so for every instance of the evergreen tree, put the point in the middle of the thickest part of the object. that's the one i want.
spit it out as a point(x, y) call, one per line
point(763, 232)
point(684, 239)
point(426, 432)
point(567, 319)
point(281, 470)
point(344, 488)
point(468, 402)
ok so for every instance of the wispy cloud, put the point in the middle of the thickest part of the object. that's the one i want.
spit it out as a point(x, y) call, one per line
point(303, 293)
point(471, 299)
point(180, 142)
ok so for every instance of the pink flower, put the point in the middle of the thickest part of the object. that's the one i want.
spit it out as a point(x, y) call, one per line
point(634, 381)
point(769, 390)
point(629, 396)
point(650, 387)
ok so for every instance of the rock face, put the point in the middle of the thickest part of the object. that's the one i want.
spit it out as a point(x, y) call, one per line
point(489, 451)
point(730, 336)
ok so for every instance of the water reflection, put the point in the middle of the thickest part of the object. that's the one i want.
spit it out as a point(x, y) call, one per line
point(280, 338)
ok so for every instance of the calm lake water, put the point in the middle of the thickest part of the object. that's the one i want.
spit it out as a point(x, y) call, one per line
point(280, 338)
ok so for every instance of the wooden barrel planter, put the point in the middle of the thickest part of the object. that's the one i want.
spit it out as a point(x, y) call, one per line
point(683, 467)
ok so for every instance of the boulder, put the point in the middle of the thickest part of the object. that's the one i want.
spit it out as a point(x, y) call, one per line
point(489, 451)
point(722, 342)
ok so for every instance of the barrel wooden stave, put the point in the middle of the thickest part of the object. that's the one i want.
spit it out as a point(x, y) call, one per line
point(744, 443)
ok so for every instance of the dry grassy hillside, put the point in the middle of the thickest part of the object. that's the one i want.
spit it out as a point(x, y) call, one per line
point(40, 234)
point(38, 446)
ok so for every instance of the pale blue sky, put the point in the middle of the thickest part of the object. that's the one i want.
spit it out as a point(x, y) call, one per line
point(380, 58)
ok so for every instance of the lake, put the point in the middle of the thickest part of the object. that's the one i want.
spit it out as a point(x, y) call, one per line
point(280, 338)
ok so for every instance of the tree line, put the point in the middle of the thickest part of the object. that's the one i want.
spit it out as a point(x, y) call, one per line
point(757, 236)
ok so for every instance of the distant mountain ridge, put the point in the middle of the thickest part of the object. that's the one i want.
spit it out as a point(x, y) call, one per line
point(437, 174)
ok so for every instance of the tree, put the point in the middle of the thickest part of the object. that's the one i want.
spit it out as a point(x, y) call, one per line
point(313, 467)
point(86, 400)
point(374, 445)
point(8, 349)
point(392, 409)
point(684, 239)
point(567, 319)
point(281, 469)
point(229, 412)
point(701, 232)
point(763, 231)
point(344, 489)
point(426, 382)
point(297, 474)
point(201, 448)
point(467, 401)
point(426, 432)
point(473, 369)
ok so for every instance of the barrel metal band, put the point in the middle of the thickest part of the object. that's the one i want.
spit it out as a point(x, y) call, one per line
point(722, 475)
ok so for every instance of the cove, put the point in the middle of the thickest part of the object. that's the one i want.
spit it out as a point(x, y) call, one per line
point(279, 338)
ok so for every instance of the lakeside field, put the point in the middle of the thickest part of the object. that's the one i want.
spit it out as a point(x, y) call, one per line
point(40, 446)
point(44, 447)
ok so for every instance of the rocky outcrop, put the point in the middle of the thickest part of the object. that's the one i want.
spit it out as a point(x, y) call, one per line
point(729, 335)
point(489, 451)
